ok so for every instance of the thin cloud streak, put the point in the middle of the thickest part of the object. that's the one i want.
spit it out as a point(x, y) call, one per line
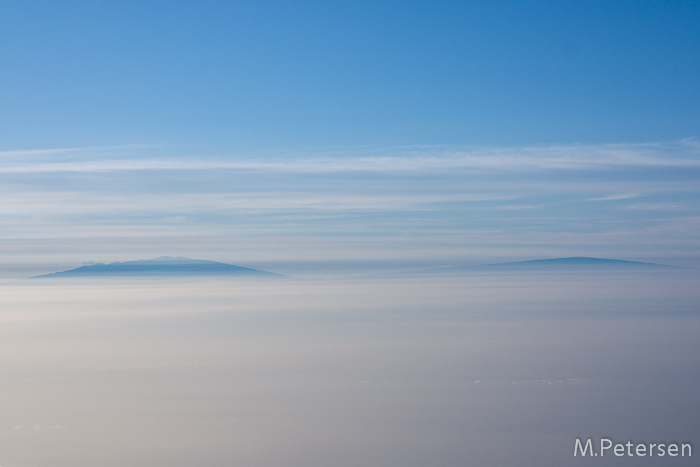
point(405, 204)
point(616, 197)
point(578, 157)
point(53, 203)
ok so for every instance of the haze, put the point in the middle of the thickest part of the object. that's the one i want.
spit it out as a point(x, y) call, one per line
point(482, 370)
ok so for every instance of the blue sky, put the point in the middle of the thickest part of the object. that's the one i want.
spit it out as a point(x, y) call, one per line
point(222, 75)
point(407, 132)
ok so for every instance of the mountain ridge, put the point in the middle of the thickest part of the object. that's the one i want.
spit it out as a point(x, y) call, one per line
point(162, 266)
point(580, 260)
point(574, 263)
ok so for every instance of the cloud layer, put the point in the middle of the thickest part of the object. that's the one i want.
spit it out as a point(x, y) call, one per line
point(631, 201)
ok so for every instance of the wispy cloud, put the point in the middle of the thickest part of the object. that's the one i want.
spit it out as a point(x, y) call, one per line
point(657, 207)
point(419, 200)
point(76, 202)
point(616, 197)
point(577, 157)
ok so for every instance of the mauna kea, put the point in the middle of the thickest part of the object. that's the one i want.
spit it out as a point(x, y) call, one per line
point(163, 266)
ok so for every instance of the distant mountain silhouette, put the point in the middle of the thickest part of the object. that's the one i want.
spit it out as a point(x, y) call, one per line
point(575, 262)
point(580, 263)
point(163, 266)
